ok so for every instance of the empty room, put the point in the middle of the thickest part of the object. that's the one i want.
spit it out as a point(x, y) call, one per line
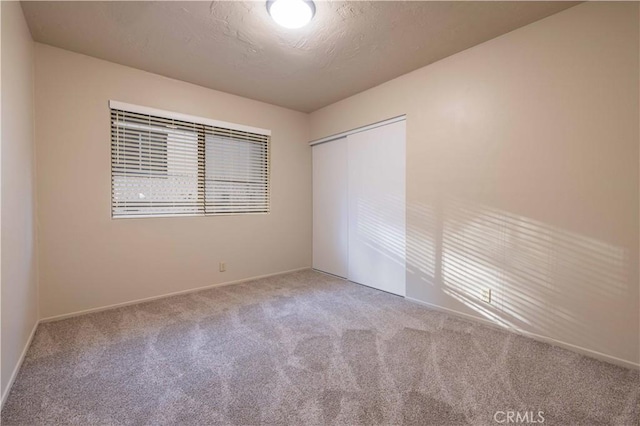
point(296, 212)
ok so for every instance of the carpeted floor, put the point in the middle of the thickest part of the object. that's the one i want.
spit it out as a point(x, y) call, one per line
point(304, 349)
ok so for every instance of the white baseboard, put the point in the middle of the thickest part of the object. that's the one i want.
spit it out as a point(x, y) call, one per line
point(16, 369)
point(584, 351)
point(162, 296)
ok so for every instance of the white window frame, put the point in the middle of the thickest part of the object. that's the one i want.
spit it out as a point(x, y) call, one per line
point(154, 112)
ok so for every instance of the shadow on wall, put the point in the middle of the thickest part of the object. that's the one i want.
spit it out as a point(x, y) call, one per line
point(543, 279)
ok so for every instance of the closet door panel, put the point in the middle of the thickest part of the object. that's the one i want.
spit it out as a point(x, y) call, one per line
point(330, 207)
point(376, 194)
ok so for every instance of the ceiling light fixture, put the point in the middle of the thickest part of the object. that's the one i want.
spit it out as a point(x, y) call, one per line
point(291, 13)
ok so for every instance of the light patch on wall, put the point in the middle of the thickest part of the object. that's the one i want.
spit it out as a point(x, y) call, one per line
point(422, 244)
point(541, 276)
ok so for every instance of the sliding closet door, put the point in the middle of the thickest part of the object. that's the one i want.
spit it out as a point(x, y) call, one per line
point(376, 196)
point(330, 207)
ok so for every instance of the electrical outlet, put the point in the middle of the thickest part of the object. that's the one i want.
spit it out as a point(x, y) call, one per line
point(486, 295)
point(223, 266)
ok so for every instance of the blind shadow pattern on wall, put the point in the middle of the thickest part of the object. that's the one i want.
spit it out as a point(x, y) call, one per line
point(163, 166)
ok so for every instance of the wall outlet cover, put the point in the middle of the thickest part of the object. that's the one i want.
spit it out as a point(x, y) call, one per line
point(486, 295)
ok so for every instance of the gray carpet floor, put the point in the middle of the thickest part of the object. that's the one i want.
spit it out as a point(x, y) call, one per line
point(304, 349)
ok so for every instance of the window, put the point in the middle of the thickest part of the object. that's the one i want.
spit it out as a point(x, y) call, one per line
point(169, 164)
point(142, 149)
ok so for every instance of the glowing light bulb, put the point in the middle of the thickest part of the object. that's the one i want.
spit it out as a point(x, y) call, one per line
point(291, 13)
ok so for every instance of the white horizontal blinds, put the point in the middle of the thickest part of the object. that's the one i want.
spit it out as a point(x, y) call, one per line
point(236, 172)
point(156, 166)
point(161, 166)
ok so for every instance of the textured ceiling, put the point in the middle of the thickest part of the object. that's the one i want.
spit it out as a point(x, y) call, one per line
point(235, 47)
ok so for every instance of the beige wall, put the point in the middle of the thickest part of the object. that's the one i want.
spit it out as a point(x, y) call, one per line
point(19, 272)
point(522, 176)
point(88, 260)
